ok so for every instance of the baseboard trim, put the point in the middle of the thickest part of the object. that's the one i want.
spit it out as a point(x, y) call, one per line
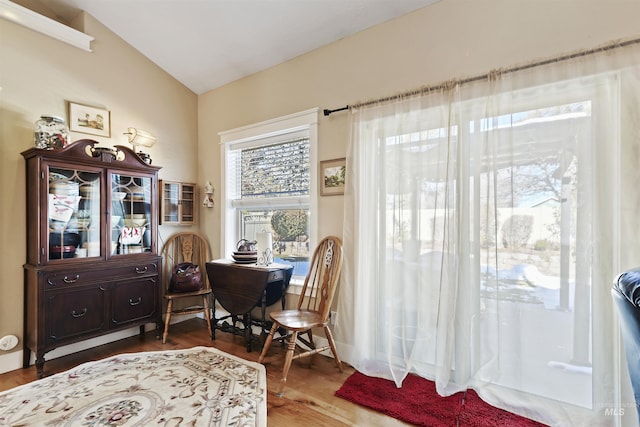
point(12, 361)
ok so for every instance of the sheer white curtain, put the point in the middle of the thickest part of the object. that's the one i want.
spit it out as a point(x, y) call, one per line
point(484, 224)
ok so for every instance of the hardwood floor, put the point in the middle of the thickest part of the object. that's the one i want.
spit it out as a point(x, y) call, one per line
point(307, 399)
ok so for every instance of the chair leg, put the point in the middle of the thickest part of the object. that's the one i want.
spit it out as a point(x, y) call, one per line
point(287, 361)
point(332, 343)
point(267, 342)
point(207, 312)
point(167, 319)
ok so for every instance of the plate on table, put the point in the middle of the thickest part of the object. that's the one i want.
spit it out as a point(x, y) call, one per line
point(245, 257)
point(245, 261)
point(238, 256)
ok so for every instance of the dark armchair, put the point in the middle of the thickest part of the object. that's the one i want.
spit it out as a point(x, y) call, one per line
point(626, 297)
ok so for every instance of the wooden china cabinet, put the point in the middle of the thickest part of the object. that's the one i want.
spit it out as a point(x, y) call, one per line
point(92, 259)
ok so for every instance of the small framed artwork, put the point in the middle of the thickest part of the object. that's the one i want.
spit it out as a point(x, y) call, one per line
point(332, 177)
point(91, 120)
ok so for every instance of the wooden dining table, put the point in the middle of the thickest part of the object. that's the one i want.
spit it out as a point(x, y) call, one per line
point(239, 288)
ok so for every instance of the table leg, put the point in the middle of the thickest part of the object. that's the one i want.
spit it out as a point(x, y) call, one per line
point(247, 330)
point(263, 307)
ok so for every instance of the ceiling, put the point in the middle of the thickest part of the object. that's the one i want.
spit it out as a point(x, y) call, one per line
point(207, 43)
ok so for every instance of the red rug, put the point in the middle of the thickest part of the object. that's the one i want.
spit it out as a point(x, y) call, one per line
point(417, 402)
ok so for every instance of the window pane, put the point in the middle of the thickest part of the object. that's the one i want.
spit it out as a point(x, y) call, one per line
point(290, 229)
point(530, 253)
point(275, 170)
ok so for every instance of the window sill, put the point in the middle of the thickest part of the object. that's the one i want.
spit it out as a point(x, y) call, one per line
point(295, 287)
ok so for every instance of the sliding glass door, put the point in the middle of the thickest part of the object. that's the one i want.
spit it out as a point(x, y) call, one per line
point(484, 231)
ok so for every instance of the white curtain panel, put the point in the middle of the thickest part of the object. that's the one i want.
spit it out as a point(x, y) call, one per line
point(484, 225)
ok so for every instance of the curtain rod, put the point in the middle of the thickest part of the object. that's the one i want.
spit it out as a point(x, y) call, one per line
point(499, 71)
point(328, 112)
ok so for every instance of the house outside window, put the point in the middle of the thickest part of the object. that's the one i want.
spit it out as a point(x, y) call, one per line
point(269, 174)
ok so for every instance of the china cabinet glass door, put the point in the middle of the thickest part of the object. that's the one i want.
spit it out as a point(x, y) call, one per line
point(74, 218)
point(130, 223)
point(170, 198)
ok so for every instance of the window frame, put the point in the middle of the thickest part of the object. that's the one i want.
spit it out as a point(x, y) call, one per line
point(304, 123)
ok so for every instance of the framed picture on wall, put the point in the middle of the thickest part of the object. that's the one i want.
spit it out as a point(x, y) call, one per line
point(332, 177)
point(91, 120)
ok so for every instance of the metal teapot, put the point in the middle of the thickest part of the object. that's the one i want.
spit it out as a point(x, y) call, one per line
point(245, 245)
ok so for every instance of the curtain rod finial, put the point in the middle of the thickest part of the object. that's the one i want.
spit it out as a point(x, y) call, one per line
point(328, 112)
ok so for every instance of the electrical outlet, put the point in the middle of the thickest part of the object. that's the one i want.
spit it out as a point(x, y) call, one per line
point(334, 317)
point(8, 342)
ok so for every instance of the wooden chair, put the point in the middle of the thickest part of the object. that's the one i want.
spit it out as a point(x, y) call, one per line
point(314, 306)
point(186, 247)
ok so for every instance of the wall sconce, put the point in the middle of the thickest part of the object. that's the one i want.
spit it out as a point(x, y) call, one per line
point(208, 195)
point(141, 138)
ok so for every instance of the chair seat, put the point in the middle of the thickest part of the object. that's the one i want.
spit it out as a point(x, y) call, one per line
point(187, 294)
point(297, 319)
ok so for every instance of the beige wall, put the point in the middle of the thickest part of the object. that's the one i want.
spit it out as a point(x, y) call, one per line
point(37, 76)
point(453, 38)
point(450, 39)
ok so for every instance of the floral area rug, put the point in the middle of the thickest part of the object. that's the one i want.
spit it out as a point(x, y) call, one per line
point(200, 386)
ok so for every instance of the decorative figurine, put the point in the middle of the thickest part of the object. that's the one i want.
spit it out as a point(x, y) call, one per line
point(208, 201)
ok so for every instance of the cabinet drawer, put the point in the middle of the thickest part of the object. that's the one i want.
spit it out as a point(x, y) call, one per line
point(71, 277)
point(70, 314)
point(134, 270)
point(144, 268)
point(276, 275)
point(82, 277)
point(132, 301)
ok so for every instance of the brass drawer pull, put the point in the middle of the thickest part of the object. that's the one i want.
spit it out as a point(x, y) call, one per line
point(67, 280)
point(132, 302)
point(82, 313)
point(142, 270)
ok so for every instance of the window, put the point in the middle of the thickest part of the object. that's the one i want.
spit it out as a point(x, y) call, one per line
point(269, 177)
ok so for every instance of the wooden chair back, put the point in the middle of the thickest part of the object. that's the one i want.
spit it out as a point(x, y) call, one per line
point(185, 247)
point(321, 281)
